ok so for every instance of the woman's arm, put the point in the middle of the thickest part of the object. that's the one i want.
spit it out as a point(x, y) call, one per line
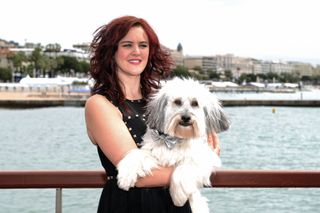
point(106, 128)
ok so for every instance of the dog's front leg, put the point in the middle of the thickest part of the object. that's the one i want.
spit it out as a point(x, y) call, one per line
point(183, 184)
point(137, 163)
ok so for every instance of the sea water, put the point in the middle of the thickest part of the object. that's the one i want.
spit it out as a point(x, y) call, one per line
point(259, 138)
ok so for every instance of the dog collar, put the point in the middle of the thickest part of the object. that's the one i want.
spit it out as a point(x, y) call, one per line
point(170, 141)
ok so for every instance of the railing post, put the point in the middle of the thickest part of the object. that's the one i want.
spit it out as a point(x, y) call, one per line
point(59, 200)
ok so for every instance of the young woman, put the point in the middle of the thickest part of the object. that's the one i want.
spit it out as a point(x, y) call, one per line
point(127, 64)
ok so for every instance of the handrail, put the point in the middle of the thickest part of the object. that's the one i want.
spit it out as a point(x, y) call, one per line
point(97, 178)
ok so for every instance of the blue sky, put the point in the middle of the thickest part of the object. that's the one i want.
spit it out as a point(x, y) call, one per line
point(263, 29)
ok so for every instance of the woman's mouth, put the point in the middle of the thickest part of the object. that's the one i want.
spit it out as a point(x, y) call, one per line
point(134, 61)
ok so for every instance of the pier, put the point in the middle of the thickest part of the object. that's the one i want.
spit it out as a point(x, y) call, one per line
point(80, 102)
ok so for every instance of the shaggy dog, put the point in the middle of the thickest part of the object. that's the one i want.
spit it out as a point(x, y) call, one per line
point(180, 116)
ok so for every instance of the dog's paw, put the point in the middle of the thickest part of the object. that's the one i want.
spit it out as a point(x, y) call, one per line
point(183, 184)
point(137, 163)
point(126, 180)
point(127, 175)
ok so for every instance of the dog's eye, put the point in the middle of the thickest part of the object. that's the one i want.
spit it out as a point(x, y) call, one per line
point(178, 102)
point(194, 103)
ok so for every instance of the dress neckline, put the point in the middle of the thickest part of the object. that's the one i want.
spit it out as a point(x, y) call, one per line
point(135, 100)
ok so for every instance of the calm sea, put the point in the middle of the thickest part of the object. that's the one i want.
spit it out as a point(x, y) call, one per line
point(55, 138)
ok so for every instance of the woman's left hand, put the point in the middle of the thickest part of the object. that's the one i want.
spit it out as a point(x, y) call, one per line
point(214, 141)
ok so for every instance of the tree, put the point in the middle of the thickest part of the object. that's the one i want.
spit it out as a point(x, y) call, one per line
point(83, 67)
point(228, 75)
point(5, 74)
point(213, 75)
point(244, 77)
point(289, 77)
point(181, 71)
point(272, 76)
point(36, 57)
point(69, 65)
point(55, 48)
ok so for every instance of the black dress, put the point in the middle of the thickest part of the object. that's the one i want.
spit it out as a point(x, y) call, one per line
point(136, 200)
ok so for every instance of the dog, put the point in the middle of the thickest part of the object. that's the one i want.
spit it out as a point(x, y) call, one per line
point(180, 116)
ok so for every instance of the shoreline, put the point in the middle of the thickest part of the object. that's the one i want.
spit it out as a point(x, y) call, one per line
point(14, 100)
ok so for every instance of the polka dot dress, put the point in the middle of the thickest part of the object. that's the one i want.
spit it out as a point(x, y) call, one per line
point(135, 119)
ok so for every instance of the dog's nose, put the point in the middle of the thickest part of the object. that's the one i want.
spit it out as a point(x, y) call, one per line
point(185, 118)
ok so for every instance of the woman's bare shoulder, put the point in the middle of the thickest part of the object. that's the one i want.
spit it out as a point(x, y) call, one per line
point(97, 101)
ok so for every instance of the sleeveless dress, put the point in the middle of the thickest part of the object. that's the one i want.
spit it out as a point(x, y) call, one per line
point(136, 200)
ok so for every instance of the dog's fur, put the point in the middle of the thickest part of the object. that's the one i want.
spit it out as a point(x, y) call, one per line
point(182, 112)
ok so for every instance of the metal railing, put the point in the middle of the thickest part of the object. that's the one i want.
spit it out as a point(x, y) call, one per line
point(97, 178)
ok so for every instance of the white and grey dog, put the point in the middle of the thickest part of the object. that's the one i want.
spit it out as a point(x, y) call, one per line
point(180, 116)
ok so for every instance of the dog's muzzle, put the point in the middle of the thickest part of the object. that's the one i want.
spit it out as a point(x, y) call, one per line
point(185, 120)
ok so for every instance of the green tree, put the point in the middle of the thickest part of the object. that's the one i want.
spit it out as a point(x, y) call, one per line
point(214, 75)
point(228, 75)
point(83, 67)
point(181, 71)
point(5, 74)
point(36, 57)
point(289, 77)
point(272, 76)
point(55, 48)
point(69, 64)
point(244, 77)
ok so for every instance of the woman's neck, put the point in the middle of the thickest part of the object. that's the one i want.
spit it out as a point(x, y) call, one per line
point(131, 87)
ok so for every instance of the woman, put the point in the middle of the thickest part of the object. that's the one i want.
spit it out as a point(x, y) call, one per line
point(127, 65)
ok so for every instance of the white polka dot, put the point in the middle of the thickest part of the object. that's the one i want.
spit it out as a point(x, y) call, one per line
point(129, 117)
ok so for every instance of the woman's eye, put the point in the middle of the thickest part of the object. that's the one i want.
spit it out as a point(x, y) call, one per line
point(143, 45)
point(127, 45)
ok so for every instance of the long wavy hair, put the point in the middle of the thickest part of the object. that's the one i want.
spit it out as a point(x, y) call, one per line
point(103, 66)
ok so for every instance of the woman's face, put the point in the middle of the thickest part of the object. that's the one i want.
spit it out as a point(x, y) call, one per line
point(133, 52)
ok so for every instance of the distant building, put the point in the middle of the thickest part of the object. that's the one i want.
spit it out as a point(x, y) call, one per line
point(191, 62)
point(5, 52)
point(303, 69)
point(176, 54)
point(83, 46)
point(224, 62)
point(79, 54)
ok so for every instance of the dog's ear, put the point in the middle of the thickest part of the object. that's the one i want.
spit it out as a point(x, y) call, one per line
point(216, 118)
point(156, 112)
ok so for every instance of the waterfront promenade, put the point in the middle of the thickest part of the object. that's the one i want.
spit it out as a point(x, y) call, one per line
point(52, 99)
point(41, 99)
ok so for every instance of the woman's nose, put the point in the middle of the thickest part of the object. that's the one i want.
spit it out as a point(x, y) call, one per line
point(136, 49)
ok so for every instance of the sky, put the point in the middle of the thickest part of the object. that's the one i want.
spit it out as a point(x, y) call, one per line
point(261, 29)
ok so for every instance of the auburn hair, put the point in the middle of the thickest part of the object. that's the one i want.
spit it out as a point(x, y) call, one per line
point(103, 66)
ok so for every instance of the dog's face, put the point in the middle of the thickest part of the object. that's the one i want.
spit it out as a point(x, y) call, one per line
point(186, 109)
point(184, 116)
